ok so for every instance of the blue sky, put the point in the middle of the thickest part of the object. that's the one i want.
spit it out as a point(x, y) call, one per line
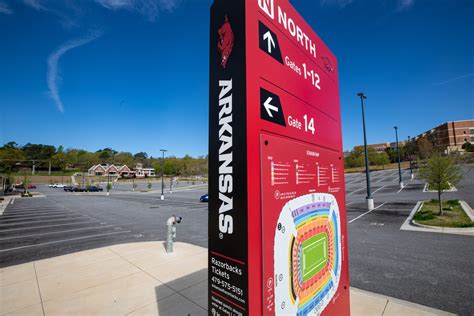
point(133, 74)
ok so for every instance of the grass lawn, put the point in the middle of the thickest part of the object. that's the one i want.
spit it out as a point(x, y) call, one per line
point(453, 215)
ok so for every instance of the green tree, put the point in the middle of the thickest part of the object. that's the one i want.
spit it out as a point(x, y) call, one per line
point(467, 146)
point(425, 148)
point(440, 172)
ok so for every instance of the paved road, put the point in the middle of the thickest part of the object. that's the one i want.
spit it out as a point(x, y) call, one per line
point(64, 222)
point(426, 268)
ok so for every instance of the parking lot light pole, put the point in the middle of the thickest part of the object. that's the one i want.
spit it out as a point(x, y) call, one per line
point(410, 159)
point(400, 181)
point(163, 174)
point(369, 198)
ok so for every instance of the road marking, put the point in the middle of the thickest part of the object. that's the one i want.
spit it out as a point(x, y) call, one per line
point(15, 215)
point(53, 220)
point(21, 218)
point(65, 240)
point(356, 191)
point(57, 225)
point(366, 213)
point(403, 188)
point(60, 231)
point(379, 189)
point(12, 201)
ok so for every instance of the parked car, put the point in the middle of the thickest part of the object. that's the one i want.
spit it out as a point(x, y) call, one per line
point(22, 187)
point(78, 189)
point(204, 198)
point(68, 188)
point(94, 188)
point(57, 185)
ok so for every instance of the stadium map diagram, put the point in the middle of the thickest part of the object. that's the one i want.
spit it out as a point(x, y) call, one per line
point(308, 253)
point(304, 252)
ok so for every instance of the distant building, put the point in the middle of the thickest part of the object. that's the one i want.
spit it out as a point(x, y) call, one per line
point(450, 136)
point(379, 148)
point(105, 170)
point(141, 172)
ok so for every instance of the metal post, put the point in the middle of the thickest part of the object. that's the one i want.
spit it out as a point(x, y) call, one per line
point(369, 198)
point(49, 170)
point(411, 159)
point(62, 171)
point(400, 181)
point(33, 169)
point(163, 174)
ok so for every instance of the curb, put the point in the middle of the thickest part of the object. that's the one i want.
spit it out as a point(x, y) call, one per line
point(410, 224)
point(467, 209)
point(452, 188)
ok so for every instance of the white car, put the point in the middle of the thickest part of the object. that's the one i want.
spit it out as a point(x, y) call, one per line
point(57, 185)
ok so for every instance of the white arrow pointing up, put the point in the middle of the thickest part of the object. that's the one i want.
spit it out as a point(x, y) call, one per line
point(270, 107)
point(270, 42)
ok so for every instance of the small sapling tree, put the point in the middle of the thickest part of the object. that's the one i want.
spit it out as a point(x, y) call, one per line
point(440, 173)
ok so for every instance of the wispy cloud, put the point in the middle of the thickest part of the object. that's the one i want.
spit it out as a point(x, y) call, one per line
point(53, 74)
point(4, 8)
point(68, 12)
point(454, 79)
point(403, 5)
point(35, 4)
point(336, 3)
point(148, 8)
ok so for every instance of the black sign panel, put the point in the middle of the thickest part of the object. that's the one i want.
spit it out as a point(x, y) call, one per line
point(270, 108)
point(228, 233)
point(268, 42)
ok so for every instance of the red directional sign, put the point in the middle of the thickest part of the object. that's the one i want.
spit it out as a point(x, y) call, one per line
point(277, 216)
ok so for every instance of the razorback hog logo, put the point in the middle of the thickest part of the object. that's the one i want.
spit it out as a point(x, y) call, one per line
point(226, 41)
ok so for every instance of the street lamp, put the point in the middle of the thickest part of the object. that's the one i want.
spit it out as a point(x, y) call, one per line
point(398, 158)
point(410, 157)
point(369, 198)
point(163, 174)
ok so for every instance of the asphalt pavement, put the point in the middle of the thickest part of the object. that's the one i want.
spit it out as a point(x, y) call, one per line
point(426, 268)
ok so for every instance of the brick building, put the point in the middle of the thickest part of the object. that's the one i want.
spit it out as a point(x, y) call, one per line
point(450, 136)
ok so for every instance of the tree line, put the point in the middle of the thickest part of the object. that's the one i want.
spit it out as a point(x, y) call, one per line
point(15, 158)
point(409, 151)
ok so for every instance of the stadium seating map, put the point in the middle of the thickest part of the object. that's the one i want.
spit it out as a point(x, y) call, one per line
point(303, 245)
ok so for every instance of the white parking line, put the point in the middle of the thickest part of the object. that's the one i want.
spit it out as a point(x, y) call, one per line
point(379, 189)
point(48, 221)
point(366, 213)
point(356, 191)
point(57, 225)
point(57, 232)
point(12, 201)
point(14, 215)
point(21, 218)
point(65, 240)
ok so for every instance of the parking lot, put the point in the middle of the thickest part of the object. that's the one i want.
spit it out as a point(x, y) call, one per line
point(64, 222)
point(427, 268)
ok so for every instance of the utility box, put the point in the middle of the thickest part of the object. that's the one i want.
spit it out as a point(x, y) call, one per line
point(277, 208)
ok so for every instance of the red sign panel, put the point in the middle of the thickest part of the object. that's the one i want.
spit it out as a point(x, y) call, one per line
point(277, 222)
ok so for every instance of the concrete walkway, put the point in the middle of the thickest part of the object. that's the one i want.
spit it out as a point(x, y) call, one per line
point(137, 279)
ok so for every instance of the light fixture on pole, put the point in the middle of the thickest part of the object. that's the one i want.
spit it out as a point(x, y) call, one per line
point(369, 198)
point(163, 174)
point(400, 181)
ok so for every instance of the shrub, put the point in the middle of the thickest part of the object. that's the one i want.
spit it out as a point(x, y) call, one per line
point(453, 202)
point(423, 216)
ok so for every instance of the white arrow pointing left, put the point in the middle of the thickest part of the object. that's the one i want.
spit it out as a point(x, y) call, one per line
point(270, 107)
point(270, 42)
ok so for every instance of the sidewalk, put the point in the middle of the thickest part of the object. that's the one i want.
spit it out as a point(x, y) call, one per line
point(137, 279)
